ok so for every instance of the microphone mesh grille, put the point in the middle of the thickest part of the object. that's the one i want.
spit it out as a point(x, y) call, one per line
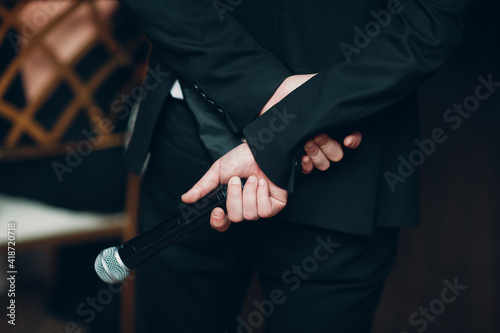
point(109, 268)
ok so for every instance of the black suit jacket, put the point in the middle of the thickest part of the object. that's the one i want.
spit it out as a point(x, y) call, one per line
point(370, 57)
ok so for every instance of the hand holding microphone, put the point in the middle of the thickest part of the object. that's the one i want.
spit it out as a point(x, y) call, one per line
point(259, 198)
point(114, 264)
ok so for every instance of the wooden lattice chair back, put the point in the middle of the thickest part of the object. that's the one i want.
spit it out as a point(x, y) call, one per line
point(83, 103)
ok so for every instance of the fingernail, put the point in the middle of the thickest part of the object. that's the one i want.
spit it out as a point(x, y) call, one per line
point(252, 179)
point(234, 181)
point(309, 146)
point(216, 214)
point(262, 182)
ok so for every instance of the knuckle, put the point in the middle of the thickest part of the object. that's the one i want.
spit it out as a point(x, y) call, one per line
point(265, 213)
point(327, 145)
point(248, 216)
point(199, 192)
point(309, 145)
point(322, 140)
point(311, 149)
point(333, 147)
point(314, 153)
point(236, 218)
point(234, 191)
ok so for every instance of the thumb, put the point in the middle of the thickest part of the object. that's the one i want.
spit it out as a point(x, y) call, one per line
point(207, 183)
point(353, 140)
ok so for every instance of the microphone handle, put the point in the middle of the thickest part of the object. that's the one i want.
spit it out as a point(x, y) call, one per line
point(172, 229)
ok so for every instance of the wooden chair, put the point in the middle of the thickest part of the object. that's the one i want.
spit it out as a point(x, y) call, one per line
point(29, 139)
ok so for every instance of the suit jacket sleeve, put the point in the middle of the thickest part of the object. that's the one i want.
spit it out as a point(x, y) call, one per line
point(212, 53)
point(391, 65)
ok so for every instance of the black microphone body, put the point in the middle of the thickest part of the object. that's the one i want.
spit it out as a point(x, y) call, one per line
point(172, 229)
point(114, 264)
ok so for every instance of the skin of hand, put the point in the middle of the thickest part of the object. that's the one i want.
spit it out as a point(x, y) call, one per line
point(321, 150)
point(260, 197)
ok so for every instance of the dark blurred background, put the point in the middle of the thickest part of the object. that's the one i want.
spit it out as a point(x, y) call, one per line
point(459, 235)
point(458, 239)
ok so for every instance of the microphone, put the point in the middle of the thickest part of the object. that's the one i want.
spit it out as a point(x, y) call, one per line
point(114, 264)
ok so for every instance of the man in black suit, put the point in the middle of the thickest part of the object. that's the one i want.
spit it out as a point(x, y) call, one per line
point(247, 70)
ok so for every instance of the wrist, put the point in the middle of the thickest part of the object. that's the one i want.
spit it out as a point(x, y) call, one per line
point(286, 87)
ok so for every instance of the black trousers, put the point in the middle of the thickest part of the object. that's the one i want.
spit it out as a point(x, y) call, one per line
point(313, 280)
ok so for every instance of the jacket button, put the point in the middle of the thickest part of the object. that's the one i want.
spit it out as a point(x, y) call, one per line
point(220, 112)
point(298, 166)
point(297, 163)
